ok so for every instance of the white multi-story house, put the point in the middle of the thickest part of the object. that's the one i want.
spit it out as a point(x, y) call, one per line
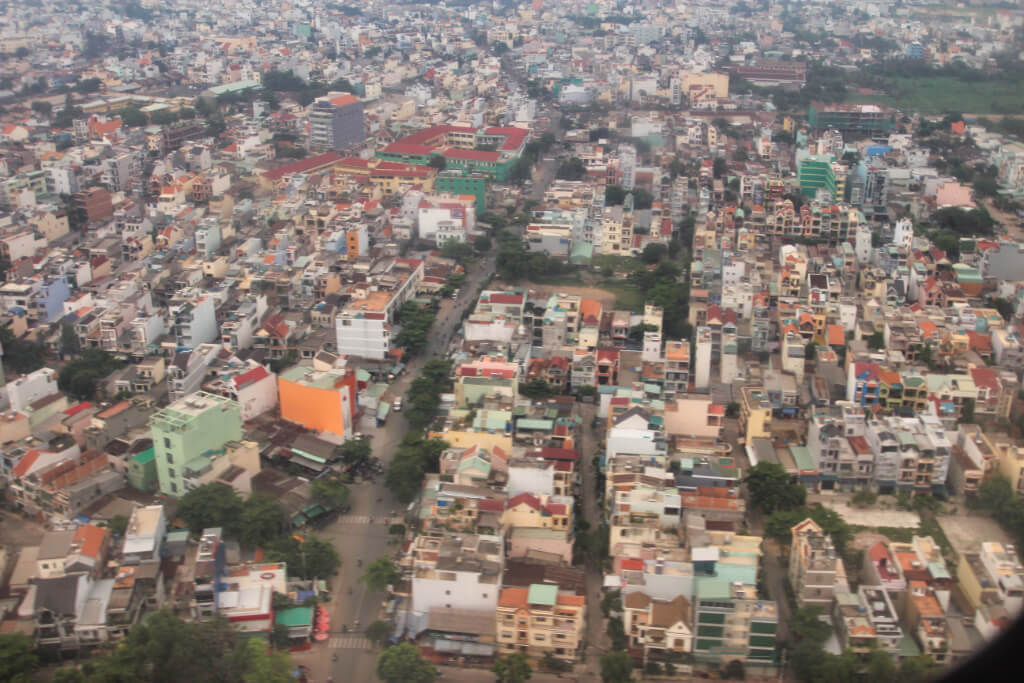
point(460, 571)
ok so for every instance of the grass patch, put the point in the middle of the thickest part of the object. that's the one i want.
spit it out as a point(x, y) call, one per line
point(628, 297)
point(897, 534)
point(943, 94)
point(568, 279)
point(617, 262)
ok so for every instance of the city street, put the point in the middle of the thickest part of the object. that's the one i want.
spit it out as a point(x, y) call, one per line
point(357, 538)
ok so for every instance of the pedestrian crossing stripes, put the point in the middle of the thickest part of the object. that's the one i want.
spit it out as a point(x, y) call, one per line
point(349, 643)
point(354, 519)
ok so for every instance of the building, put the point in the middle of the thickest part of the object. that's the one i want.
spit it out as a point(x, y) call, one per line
point(185, 435)
point(852, 120)
point(336, 123)
point(96, 203)
point(539, 620)
point(812, 564)
point(320, 401)
point(733, 624)
point(456, 571)
point(662, 629)
point(815, 173)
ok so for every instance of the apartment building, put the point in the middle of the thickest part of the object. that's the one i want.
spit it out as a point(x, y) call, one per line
point(813, 564)
point(187, 432)
point(733, 624)
point(456, 570)
point(336, 123)
point(540, 620)
point(661, 629)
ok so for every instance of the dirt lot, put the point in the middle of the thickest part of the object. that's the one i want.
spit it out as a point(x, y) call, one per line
point(606, 298)
point(966, 531)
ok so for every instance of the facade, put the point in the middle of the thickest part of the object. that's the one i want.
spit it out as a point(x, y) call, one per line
point(812, 565)
point(733, 624)
point(320, 401)
point(336, 123)
point(539, 620)
point(852, 120)
point(186, 432)
point(661, 628)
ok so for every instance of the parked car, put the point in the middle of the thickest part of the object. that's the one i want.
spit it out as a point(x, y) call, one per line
point(397, 405)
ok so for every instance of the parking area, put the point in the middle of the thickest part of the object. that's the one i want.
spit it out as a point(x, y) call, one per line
point(966, 531)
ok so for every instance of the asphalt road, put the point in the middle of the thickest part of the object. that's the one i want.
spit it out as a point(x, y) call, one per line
point(357, 539)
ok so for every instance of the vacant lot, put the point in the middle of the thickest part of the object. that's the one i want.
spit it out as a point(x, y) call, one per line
point(873, 517)
point(944, 94)
point(612, 295)
point(966, 532)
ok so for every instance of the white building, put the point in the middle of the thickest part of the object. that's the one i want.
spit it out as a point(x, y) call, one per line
point(457, 571)
point(363, 333)
point(702, 360)
point(24, 391)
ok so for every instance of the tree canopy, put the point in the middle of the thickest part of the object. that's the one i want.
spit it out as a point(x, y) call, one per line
point(771, 488)
point(164, 649)
point(80, 377)
point(513, 668)
point(307, 557)
point(616, 667)
point(380, 574)
point(17, 657)
point(404, 664)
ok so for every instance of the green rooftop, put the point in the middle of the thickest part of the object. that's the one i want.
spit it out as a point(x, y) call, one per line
point(713, 589)
point(144, 457)
point(294, 616)
point(542, 594)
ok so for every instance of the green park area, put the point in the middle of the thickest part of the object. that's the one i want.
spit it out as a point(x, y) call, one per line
point(943, 94)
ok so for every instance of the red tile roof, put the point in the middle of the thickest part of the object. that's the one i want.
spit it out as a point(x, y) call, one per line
point(309, 164)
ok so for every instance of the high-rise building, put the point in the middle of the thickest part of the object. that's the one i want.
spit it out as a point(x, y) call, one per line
point(336, 123)
point(185, 435)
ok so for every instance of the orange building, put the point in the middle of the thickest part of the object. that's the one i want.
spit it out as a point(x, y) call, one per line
point(320, 401)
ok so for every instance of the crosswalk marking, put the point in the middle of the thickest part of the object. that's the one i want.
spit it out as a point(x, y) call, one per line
point(349, 643)
point(354, 519)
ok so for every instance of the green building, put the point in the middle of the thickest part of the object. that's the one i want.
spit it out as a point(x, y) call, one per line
point(453, 182)
point(186, 432)
point(492, 165)
point(732, 624)
point(142, 470)
point(852, 120)
point(815, 173)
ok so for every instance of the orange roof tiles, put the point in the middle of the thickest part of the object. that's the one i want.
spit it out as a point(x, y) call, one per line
point(513, 597)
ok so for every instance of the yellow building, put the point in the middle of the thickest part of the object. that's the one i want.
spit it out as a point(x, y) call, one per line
point(755, 414)
point(539, 620)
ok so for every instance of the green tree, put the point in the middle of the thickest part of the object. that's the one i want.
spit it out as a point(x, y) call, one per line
point(881, 668)
point(614, 195)
point(378, 632)
point(571, 169)
point(771, 488)
point(42, 108)
point(133, 117)
point(20, 356)
point(810, 351)
point(513, 668)
point(536, 389)
point(654, 252)
point(876, 342)
point(616, 667)
point(118, 524)
point(210, 505)
point(307, 557)
point(355, 451)
point(69, 674)
point(69, 342)
point(330, 492)
point(404, 664)
point(734, 670)
point(80, 377)
point(437, 162)
point(380, 574)
point(482, 244)
point(549, 662)
point(261, 521)
point(17, 659)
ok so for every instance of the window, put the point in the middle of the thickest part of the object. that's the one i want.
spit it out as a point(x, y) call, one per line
point(171, 473)
point(167, 442)
point(174, 487)
point(170, 457)
point(447, 592)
